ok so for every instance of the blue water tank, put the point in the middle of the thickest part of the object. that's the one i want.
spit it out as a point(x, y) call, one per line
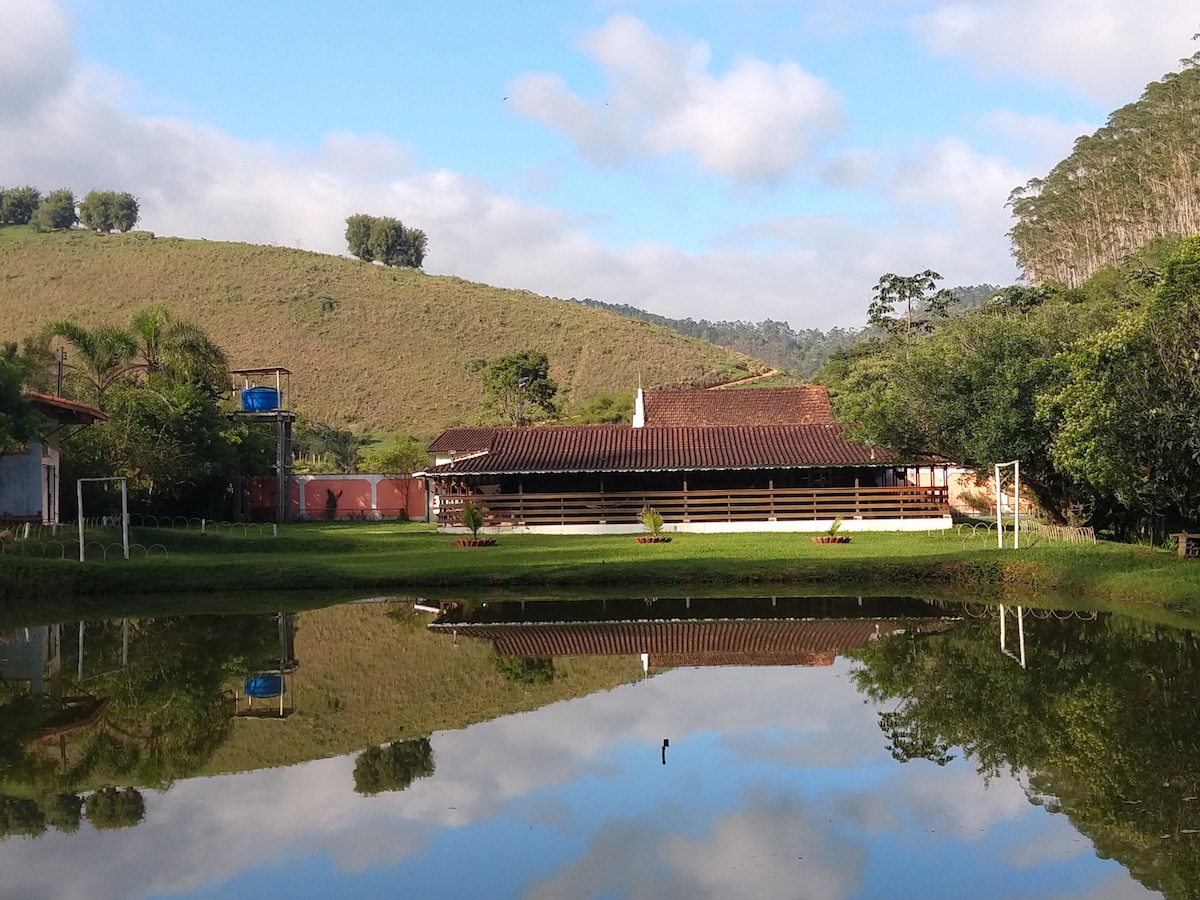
point(264, 684)
point(260, 399)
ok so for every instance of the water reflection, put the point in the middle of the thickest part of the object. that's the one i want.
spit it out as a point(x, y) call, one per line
point(835, 747)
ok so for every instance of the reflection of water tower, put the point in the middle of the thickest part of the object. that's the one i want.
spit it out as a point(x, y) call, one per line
point(266, 395)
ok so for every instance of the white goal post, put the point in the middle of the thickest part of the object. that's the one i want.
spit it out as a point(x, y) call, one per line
point(124, 511)
point(1016, 464)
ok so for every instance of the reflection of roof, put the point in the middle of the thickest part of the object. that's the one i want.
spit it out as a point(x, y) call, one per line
point(69, 412)
point(733, 642)
point(749, 406)
point(620, 448)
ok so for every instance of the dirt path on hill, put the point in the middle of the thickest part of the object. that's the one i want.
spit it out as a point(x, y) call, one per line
point(729, 384)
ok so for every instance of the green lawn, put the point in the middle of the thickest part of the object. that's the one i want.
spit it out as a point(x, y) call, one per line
point(412, 559)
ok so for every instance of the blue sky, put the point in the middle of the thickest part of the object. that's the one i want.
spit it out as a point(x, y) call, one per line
point(746, 160)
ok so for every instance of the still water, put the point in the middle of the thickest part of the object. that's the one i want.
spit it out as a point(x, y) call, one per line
point(643, 747)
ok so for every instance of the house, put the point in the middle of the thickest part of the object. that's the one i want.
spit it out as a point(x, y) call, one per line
point(29, 481)
point(766, 459)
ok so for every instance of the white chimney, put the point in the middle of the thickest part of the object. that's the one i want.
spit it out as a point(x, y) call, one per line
point(639, 410)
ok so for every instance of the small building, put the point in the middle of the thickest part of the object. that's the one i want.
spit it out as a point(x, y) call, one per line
point(767, 459)
point(29, 481)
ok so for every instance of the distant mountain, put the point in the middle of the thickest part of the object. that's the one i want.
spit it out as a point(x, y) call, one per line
point(370, 346)
point(777, 343)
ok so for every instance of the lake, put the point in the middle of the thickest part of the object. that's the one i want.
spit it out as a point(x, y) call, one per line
point(817, 747)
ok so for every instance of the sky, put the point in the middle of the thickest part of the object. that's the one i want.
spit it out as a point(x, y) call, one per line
point(706, 158)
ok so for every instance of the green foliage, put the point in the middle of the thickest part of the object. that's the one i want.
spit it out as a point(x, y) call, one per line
point(56, 211)
point(18, 205)
point(651, 520)
point(20, 816)
point(393, 767)
point(1132, 181)
point(525, 670)
point(105, 211)
point(404, 456)
point(919, 298)
point(518, 385)
point(473, 517)
point(320, 448)
point(106, 355)
point(1129, 415)
point(64, 812)
point(385, 239)
point(111, 807)
point(20, 421)
point(605, 409)
point(835, 526)
point(358, 236)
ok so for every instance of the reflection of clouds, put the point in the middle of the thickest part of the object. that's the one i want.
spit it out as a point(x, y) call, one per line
point(765, 766)
point(771, 848)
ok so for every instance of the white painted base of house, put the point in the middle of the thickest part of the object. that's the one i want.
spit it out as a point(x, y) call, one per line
point(814, 526)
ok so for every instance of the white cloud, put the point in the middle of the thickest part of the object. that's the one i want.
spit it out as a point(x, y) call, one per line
point(1061, 40)
point(756, 123)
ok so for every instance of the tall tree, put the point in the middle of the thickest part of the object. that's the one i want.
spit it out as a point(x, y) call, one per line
point(56, 211)
point(17, 205)
point(20, 421)
point(104, 211)
point(519, 384)
point(919, 299)
point(358, 236)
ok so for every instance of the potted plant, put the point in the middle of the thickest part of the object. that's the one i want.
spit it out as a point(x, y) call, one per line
point(472, 517)
point(653, 523)
point(831, 535)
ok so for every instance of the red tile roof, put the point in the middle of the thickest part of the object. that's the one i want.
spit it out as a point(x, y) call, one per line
point(462, 440)
point(70, 412)
point(619, 448)
point(738, 642)
point(807, 405)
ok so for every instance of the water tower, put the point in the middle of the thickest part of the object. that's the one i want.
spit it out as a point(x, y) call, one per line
point(265, 396)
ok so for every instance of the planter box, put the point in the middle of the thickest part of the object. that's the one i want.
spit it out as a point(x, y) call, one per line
point(653, 539)
point(831, 539)
point(474, 542)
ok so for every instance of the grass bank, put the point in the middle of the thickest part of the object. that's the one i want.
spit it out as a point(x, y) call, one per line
point(412, 559)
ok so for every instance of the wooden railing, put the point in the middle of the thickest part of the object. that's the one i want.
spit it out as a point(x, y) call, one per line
point(780, 504)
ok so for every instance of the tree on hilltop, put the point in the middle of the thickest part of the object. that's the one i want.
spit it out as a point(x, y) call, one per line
point(385, 239)
point(17, 205)
point(56, 211)
point(104, 211)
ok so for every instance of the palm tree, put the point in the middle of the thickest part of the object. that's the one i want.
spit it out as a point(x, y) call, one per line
point(106, 354)
point(179, 350)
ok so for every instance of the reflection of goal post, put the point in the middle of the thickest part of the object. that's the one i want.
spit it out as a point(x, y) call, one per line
point(124, 512)
point(1016, 464)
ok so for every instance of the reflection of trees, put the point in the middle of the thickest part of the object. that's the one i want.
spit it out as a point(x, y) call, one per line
point(168, 711)
point(114, 808)
point(525, 669)
point(1105, 720)
point(393, 767)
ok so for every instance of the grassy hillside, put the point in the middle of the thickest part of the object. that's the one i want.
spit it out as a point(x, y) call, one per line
point(370, 346)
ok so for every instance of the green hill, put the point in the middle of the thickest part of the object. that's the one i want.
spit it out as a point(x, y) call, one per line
point(369, 346)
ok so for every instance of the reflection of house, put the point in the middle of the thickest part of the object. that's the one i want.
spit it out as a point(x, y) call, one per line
point(739, 460)
point(29, 481)
point(692, 632)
